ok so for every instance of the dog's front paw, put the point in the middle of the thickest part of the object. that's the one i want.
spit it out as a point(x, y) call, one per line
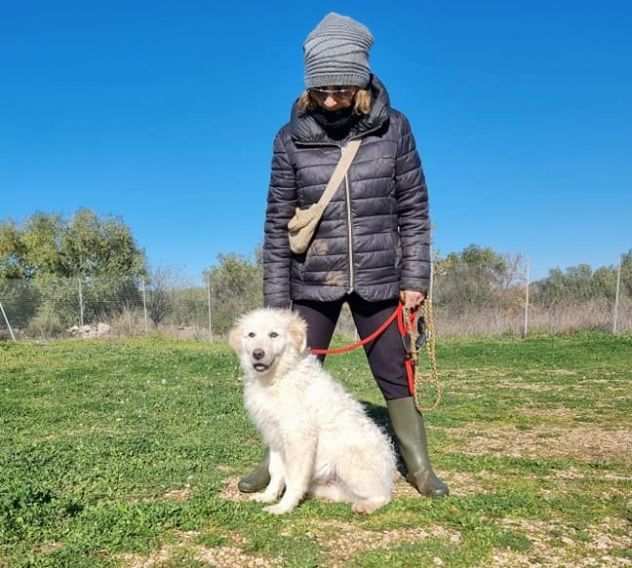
point(264, 498)
point(278, 509)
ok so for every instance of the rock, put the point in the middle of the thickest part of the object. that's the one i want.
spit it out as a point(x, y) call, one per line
point(103, 329)
point(100, 329)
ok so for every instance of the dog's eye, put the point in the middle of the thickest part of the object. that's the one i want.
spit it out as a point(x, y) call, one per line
point(251, 334)
point(274, 334)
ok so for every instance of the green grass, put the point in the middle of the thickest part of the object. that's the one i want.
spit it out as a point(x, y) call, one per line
point(98, 438)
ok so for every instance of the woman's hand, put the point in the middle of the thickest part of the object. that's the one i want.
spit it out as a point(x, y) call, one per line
point(412, 299)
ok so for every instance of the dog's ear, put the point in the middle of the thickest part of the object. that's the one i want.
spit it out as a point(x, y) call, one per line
point(234, 337)
point(297, 332)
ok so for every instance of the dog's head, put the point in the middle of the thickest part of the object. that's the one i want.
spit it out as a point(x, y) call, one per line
point(264, 337)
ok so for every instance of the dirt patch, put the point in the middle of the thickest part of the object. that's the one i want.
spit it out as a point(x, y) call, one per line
point(342, 541)
point(460, 484)
point(518, 384)
point(573, 473)
point(160, 556)
point(232, 557)
point(464, 484)
point(156, 559)
point(230, 491)
point(178, 495)
point(611, 485)
point(557, 545)
point(218, 557)
point(47, 548)
point(582, 443)
point(477, 372)
point(548, 413)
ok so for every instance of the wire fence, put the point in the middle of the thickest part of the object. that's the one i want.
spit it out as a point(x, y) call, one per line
point(464, 304)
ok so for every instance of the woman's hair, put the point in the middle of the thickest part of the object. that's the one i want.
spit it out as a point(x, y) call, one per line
point(361, 105)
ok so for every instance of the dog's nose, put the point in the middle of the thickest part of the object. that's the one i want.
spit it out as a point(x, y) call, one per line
point(258, 354)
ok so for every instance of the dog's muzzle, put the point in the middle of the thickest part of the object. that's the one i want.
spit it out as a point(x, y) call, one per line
point(259, 365)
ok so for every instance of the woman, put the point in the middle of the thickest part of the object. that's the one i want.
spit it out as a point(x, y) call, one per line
point(371, 247)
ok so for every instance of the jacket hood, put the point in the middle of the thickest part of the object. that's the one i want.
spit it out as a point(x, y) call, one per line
point(304, 127)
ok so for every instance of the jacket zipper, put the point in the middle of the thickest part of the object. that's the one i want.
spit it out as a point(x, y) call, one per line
point(348, 196)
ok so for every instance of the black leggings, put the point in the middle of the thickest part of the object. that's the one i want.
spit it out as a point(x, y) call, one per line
point(385, 354)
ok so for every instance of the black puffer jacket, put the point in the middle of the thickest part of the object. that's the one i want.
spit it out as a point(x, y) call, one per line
point(374, 235)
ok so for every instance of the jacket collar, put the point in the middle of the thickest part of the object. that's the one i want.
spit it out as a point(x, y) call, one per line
point(305, 129)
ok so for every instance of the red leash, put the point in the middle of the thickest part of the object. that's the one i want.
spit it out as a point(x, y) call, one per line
point(368, 339)
point(402, 326)
point(409, 362)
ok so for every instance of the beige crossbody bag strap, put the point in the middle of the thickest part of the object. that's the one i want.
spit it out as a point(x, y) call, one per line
point(346, 157)
point(302, 226)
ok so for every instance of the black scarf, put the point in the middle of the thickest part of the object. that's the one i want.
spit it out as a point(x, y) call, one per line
point(337, 123)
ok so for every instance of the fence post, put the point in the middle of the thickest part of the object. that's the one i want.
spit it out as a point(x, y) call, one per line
point(431, 283)
point(616, 298)
point(526, 302)
point(210, 320)
point(6, 319)
point(80, 303)
point(145, 304)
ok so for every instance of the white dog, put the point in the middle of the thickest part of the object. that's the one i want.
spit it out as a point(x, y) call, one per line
point(321, 441)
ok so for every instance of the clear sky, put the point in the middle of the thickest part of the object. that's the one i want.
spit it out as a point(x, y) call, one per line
point(164, 113)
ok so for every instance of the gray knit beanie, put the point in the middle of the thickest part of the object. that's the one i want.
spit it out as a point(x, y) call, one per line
point(337, 53)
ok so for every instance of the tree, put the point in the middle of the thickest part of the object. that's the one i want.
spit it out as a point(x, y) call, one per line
point(580, 283)
point(12, 251)
point(84, 245)
point(473, 277)
point(237, 287)
point(41, 238)
point(626, 273)
point(51, 254)
point(95, 247)
point(158, 301)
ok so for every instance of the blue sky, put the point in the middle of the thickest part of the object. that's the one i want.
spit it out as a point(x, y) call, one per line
point(164, 113)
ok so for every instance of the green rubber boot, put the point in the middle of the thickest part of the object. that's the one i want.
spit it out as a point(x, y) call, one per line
point(408, 425)
point(258, 478)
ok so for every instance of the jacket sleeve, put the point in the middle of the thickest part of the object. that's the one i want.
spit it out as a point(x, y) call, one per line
point(280, 208)
point(412, 211)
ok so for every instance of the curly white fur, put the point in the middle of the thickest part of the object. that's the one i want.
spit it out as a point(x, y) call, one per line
point(321, 440)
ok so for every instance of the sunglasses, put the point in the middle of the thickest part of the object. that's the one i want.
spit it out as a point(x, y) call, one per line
point(339, 93)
